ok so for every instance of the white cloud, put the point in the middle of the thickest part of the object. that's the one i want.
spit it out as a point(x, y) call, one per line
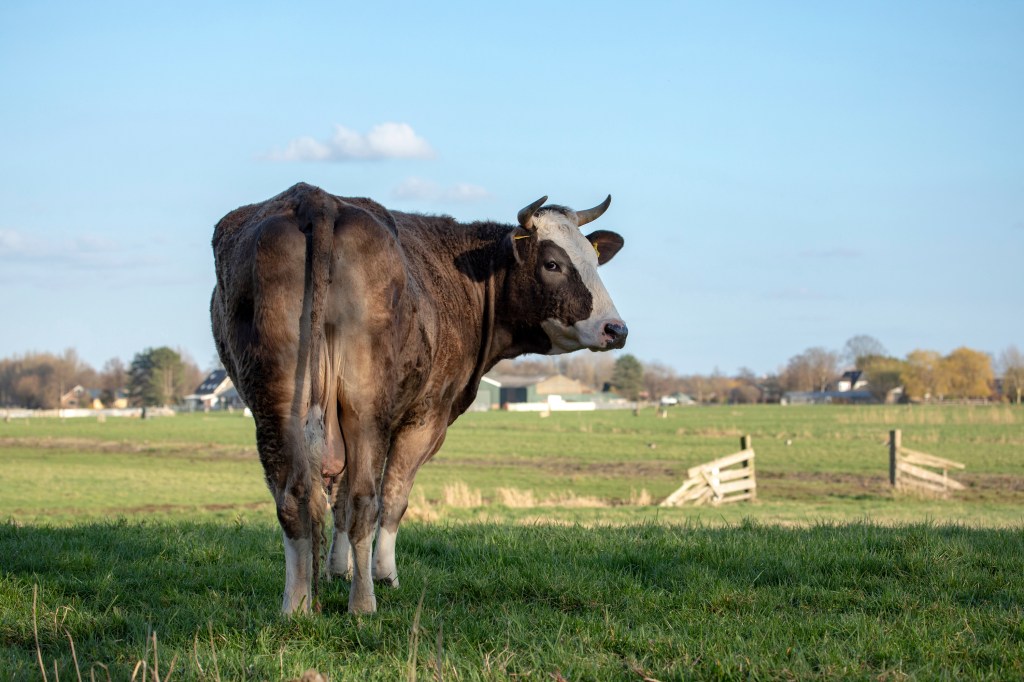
point(418, 189)
point(383, 141)
point(80, 252)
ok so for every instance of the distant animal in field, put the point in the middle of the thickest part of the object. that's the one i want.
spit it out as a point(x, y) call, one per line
point(357, 335)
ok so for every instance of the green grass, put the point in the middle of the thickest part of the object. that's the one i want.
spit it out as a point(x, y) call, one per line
point(164, 526)
point(527, 602)
point(814, 463)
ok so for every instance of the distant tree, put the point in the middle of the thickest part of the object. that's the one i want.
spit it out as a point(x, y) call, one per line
point(112, 379)
point(812, 370)
point(862, 346)
point(1011, 365)
point(771, 388)
point(721, 386)
point(970, 373)
point(157, 377)
point(659, 380)
point(531, 365)
point(926, 376)
point(592, 369)
point(38, 380)
point(745, 393)
point(628, 377)
point(747, 387)
point(192, 376)
point(883, 374)
point(697, 386)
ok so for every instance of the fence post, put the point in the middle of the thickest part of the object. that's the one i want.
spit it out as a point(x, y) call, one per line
point(745, 444)
point(894, 448)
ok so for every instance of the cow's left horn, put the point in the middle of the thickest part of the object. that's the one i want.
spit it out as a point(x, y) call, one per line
point(526, 215)
point(593, 213)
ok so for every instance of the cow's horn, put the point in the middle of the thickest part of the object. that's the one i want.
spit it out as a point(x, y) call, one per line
point(593, 213)
point(526, 215)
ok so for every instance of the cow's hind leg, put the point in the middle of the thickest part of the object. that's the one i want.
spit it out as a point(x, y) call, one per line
point(300, 509)
point(411, 448)
point(365, 447)
point(339, 562)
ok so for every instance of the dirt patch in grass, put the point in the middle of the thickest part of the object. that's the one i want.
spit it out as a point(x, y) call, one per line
point(140, 509)
point(164, 449)
point(567, 467)
point(811, 484)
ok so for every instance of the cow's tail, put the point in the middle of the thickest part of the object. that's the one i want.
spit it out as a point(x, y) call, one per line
point(320, 216)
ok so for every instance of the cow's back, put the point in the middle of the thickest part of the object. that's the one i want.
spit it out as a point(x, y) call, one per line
point(261, 305)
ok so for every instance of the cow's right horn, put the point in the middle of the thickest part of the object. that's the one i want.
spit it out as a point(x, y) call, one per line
point(592, 214)
point(526, 215)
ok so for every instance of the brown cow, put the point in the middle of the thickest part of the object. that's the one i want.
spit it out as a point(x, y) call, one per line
point(357, 335)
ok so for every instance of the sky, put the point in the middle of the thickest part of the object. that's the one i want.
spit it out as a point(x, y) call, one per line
point(785, 174)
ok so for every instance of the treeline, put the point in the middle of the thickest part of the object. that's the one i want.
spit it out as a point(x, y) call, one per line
point(155, 376)
point(163, 376)
point(923, 375)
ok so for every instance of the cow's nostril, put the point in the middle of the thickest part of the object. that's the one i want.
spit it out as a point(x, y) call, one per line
point(616, 332)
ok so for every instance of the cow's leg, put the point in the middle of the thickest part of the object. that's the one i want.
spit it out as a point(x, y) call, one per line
point(411, 448)
point(365, 448)
point(300, 506)
point(339, 563)
point(361, 513)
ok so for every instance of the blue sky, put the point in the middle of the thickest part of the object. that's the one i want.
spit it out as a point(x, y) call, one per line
point(785, 174)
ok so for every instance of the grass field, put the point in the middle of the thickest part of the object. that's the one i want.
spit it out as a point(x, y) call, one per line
point(530, 554)
point(813, 463)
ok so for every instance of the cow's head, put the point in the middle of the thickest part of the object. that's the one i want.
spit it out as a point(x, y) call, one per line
point(557, 266)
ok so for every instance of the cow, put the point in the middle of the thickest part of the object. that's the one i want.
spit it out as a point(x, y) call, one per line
point(357, 335)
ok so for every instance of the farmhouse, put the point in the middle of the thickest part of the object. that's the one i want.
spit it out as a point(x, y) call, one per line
point(81, 397)
point(217, 392)
point(849, 389)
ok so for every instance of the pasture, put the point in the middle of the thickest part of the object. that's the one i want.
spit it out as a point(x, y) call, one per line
point(531, 551)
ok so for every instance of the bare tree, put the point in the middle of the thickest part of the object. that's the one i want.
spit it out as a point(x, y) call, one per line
point(1011, 365)
point(862, 346)
point(527, 366)
point(592, 369)
point(659, 380)
point(113, 379)
point(812, 370)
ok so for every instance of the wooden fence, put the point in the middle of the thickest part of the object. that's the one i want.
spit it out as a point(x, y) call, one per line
point(907, 470)
point(724, 480)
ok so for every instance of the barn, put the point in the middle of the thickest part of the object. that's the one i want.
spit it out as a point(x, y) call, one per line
point(499, 390)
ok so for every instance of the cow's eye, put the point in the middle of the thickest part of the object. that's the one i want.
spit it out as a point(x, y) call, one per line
point(551, 266)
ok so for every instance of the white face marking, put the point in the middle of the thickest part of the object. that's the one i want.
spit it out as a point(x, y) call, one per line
point(588, 333)
point(298, 571)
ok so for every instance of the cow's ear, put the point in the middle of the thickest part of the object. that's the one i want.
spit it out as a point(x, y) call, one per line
point(606, 243)
point(519, 241)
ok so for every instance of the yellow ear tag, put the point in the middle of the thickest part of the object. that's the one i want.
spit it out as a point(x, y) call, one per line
point(597, 251)
point(522, 236)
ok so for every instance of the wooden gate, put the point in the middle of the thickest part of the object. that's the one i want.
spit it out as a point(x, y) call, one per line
point(907, 469)
point(721, 481)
